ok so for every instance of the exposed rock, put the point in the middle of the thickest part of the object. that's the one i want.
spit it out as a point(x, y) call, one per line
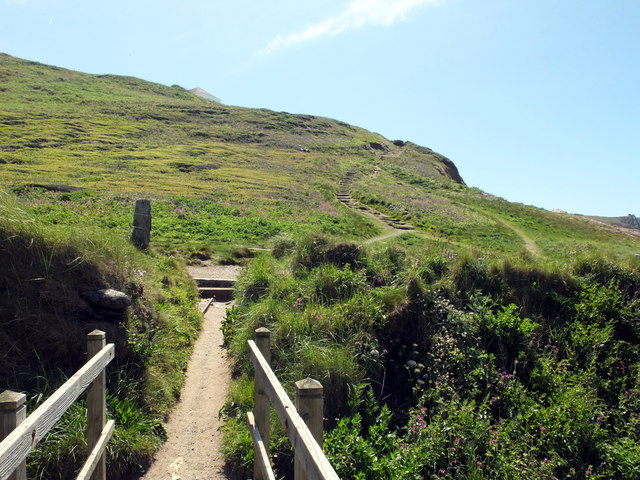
point(399, 143)
point(107, 298)
point(378, 146)
point(204, 94)
point(451, 170)
point(630, 221)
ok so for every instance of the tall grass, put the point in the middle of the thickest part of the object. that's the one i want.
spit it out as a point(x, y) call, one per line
point(444, 366)
point(45, 322)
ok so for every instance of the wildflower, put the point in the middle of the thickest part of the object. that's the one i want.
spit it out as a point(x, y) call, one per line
point(589, 471)
point(442, 471)
point(494, 399)
point(494, 440)
point(479, 464)
point(543, 428)
point(545, 459)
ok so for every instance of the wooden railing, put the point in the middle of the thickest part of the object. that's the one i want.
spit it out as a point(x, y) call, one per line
point(20, 433)
point(305, 435)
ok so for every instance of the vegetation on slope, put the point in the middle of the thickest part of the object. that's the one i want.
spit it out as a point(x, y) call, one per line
point(44, 323)
point(449, 365)
point(504, 322)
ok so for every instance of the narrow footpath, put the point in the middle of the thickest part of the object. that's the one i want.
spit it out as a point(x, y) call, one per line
point(194, 438)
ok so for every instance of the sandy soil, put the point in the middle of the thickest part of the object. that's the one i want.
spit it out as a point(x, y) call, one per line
point(227, 272)
point(192, 450)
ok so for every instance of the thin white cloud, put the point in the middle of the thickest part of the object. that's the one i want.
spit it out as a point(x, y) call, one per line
point(358, 14)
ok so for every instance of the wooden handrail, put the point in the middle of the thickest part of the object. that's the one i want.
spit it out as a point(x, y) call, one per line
point(98, 452)
point(17, 445)
point(310, 456)
point(259, 450)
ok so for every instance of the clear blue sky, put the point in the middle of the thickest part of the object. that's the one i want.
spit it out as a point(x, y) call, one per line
point(537, 101)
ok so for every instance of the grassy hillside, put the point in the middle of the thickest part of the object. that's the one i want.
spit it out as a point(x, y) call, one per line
point(446, 365)
point(44, 322)
point(494, 317)
point(121, 137)
point(224, 175)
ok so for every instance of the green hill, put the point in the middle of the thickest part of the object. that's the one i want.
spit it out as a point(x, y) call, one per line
point(514, 327)
point(119, 138)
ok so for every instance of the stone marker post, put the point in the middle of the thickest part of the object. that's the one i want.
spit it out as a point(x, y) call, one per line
point(141, 235)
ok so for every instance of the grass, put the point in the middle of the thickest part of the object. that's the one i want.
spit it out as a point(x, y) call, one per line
point(470, 217)
point(491, 320)
point(440, 365)
point(45, 322)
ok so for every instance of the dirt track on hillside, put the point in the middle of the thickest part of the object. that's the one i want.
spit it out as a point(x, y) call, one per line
point(194, 438)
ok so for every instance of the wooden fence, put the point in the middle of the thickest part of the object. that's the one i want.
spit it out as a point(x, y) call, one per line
point(305, 435)
point(21, 433)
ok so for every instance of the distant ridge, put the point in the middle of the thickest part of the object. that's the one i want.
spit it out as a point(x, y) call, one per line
point(630, 221)
point(204, 94)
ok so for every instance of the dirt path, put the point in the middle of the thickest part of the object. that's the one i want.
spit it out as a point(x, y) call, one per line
point(395, 233)
point(192, 450)
point(529, 244)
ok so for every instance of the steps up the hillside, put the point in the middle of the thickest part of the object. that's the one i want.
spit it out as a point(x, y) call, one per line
point(345, 198)
point(220, 289)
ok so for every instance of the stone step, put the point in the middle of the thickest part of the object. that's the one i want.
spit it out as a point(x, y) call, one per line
point(215, 282)
point(221, 294)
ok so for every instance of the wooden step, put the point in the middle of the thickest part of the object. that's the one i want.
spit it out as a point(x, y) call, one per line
point(215, 282)
point(221, 294)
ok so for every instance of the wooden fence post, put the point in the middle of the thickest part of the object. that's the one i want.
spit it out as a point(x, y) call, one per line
point(141, 235)
point(13, 412)
point(310, 406)
point(96, 403)
point(261, 408)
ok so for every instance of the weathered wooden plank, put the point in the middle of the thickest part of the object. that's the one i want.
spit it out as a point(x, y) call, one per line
point(21, 441)
point(13, 412)
point(97, 403)
point(261, 407)
point(259, 451)
point(308, 452)
point(310, 407)
point(97, 452)
point(206, 307)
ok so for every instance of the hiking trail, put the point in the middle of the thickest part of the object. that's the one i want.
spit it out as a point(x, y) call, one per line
point(194, 439)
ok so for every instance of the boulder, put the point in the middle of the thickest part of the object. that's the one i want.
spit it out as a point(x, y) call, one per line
point(107, 298)
point(378, 146)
